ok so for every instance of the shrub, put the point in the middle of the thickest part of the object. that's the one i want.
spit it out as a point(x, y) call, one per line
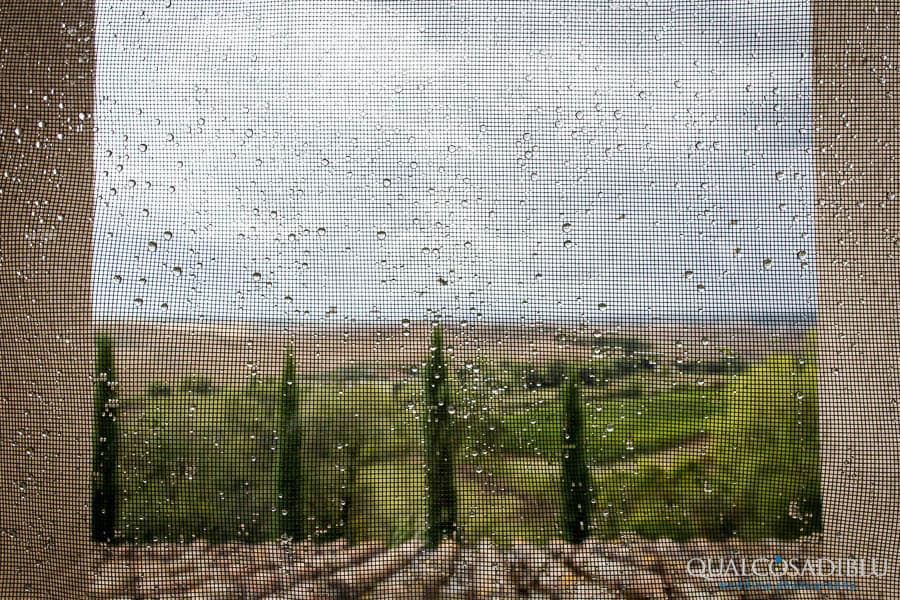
point(196, 384)
point(766, 451)
point(158, 389)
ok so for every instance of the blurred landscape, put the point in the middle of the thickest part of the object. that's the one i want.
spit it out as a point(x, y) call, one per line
point(690, 432)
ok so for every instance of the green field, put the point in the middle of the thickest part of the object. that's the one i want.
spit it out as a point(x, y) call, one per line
point(710, 450)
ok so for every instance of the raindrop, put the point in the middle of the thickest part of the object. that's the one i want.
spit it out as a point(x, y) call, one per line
point(167, 235)
point(386, 182)
point(320, 231)
point(567, 244)
point(139, 301)
point(381, 235)
point(767, 263)
point(256, 276)
point(142, 147)
point(152, 245)
point(567, 227)
point(779, 175)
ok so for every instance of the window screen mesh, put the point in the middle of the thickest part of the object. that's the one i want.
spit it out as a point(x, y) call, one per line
point(438, 300)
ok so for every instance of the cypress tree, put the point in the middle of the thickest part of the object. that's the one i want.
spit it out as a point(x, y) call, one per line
point(290, 467)
point(439, 472)
point(347, 502)
point(106, 439)
point(576, 476)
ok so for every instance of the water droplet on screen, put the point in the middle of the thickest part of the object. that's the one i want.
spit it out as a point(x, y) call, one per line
point(381, 235)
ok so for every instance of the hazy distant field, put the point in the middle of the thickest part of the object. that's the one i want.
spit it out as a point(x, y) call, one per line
point(229, 354)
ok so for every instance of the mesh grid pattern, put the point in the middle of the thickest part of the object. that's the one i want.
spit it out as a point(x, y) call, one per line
point(424, 300)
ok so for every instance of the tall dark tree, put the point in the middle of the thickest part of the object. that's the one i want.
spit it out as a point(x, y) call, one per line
point(290, 465)
point(106, 440)
point(348, 499)
point(439, 472)
point(576, 476)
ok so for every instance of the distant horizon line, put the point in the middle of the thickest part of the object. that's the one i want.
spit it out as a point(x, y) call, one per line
point(795, 320)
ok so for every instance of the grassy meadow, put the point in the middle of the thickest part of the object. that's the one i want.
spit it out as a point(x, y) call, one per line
point(716, 448)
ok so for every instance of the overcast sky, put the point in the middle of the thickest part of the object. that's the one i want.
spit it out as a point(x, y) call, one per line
point(338, 161)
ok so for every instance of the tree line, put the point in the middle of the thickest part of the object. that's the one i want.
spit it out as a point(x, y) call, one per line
point(439, 448)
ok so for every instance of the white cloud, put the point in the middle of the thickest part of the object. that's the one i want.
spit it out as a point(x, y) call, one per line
point(657, 134)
